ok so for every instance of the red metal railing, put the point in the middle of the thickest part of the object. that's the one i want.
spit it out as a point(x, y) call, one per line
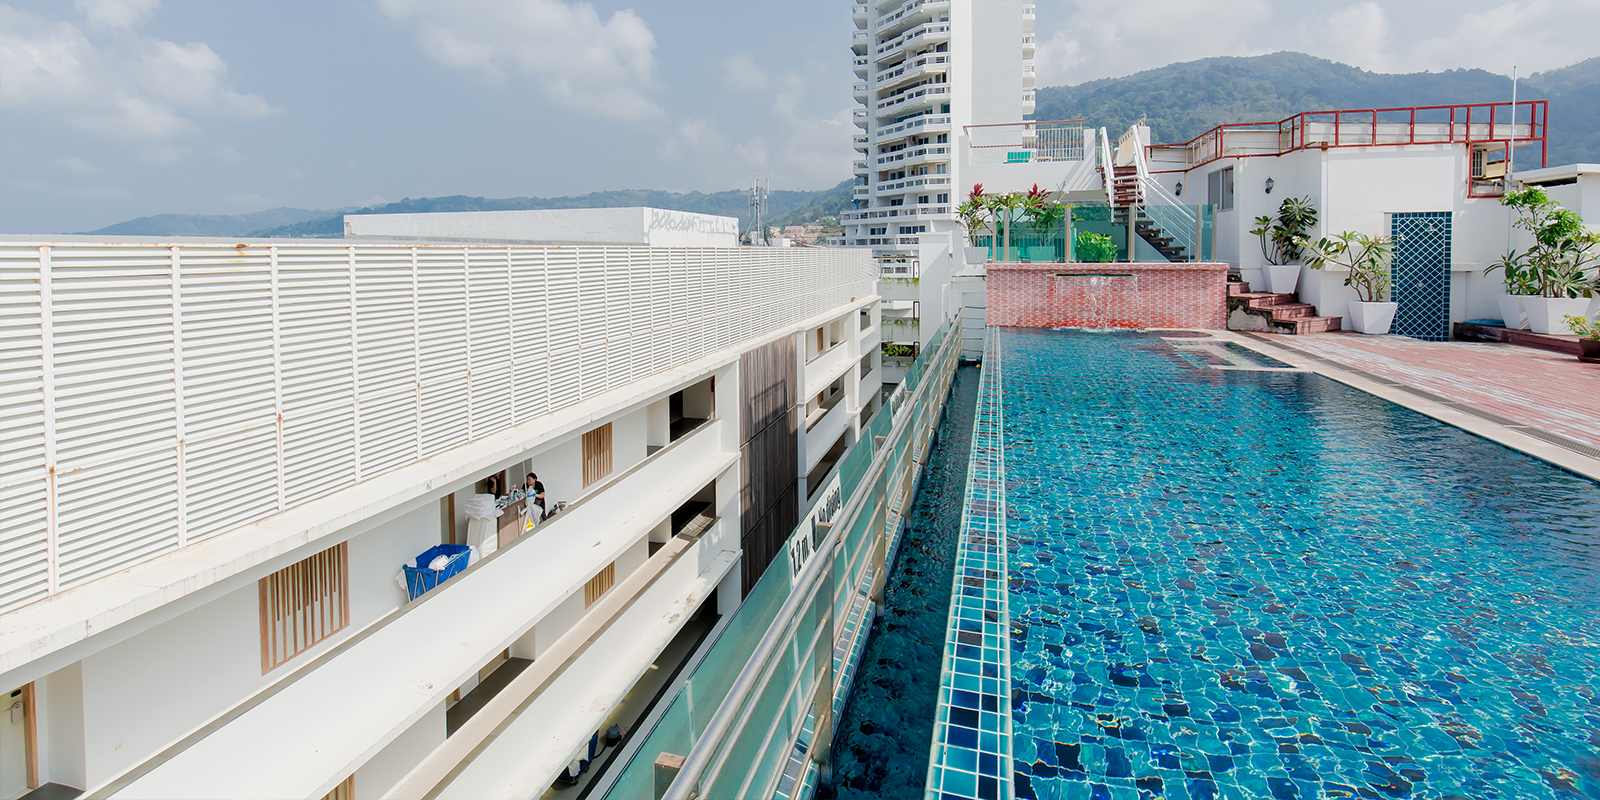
point(1479, 123)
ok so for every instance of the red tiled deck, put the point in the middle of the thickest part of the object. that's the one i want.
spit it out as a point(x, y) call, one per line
point(1543, 390)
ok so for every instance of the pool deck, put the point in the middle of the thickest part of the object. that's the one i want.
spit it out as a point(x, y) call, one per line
point(1546, 404)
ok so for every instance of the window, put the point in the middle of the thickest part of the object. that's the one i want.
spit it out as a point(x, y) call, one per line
point(1220, 187)
point(304, 604)
point(596, 455)
point(599, 585)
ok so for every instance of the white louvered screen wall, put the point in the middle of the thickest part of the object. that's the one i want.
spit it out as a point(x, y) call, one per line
point(152, 397)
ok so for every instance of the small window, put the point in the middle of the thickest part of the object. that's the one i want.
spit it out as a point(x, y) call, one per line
point(1220, 186)
point(304, 604)
point(596, 455)
point(599, 585)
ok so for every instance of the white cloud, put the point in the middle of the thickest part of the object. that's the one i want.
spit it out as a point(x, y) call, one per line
point(1357, 35)
point(1144, 35)
point(742, 73)
point(605, 67)
point(116, 82)
point(122, 14)
point(78, 166)
point(1079, 42)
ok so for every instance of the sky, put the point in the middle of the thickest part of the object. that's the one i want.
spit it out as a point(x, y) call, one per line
point(115, 109)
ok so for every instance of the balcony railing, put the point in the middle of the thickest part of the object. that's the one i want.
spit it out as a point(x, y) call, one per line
point(1029, 142)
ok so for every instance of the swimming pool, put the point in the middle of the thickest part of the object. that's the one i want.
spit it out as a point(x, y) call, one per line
point(1231, 583)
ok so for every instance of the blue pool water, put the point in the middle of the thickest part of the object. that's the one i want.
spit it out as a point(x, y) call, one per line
point(881, 752)
point(1242, 584)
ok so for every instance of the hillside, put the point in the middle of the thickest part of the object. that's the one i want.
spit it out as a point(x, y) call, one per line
point(199, 225)
point(1185, 100)
point(791, 207)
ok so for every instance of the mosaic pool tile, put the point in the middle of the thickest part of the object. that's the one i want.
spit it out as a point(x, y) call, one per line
point(972, 735)
point(1257, 584)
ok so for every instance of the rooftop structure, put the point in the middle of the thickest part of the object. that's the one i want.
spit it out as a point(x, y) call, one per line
point(269, 518)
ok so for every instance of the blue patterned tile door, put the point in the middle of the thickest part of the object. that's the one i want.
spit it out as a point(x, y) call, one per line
point(1422, 275)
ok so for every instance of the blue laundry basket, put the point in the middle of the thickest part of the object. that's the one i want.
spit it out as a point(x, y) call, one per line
point(420, 580)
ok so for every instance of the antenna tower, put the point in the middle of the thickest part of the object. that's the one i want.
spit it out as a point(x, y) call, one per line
point(758, 202)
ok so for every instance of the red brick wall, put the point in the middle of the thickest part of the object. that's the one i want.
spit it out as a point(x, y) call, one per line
point(1129, 296)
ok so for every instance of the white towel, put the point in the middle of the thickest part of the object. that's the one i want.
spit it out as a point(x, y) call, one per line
point(439, 562)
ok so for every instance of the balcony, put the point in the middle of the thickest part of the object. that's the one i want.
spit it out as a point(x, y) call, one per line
point(860, 116)
point(860, 15)
point(926, 33)
point(912, 184)
point(930, 124)
point(824, 427)
point(860, 91)
point(861, 42)
point(1030, 74)
point(913, 13)
point(825, 369)
point(863, 66)
point(916, 155)
point(1029, 44)
point(1028, 16)
point(861, 143)
point(909, 71)
point(863, 191)
point(369, 691)
point(912, 100)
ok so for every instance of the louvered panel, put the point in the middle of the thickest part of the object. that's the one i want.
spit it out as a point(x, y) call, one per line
point(529, 348)
point(660, 346)
point(113, 516)
point(490, 314)
point(384, 321)
point(24, 550)
point(114, 370)
point(231, 481)
point(563, 326)
point(619, 313)
point(639, 348)
point(388, 430)
point(592, 320)
point(318, 377)
point(442, 295)
point(385, 359)
point(230, 413)
point(723, 313)
point(318, 453)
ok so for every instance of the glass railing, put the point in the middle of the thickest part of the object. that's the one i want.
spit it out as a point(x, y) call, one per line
point(738, 715)
point(1191, 228)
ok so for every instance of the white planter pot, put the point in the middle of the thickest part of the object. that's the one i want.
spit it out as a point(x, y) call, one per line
point(1256, 278)
point(1547, 314)
point(976, 256)
point(1372, 318)
point(1282, 279)
point(1511, 310)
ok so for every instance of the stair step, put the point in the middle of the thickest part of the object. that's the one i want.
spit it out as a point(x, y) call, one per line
point(1293, 311)
point(1304, 326)
point(1266, 299)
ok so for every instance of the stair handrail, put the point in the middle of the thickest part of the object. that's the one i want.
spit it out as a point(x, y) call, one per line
point(1176, 220)
point(1108, 169)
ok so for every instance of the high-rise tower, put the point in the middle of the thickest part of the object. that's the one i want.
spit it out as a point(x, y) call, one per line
point(926, 70)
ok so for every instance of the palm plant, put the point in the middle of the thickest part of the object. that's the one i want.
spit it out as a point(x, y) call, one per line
point(1282, 236)
point(1562, 262)
point(1367, 257)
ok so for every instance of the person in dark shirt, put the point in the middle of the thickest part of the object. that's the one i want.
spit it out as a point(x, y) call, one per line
point(535, 492)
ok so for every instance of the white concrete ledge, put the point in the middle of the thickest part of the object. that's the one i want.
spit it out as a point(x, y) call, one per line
point(306, 738)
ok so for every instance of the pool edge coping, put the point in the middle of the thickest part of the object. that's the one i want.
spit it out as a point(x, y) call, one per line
point(1405, 396)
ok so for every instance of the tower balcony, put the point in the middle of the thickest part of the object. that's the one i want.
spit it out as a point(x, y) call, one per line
point(1028, 15)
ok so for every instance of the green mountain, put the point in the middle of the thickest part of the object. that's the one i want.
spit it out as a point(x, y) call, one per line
point(198, 225)
point(787, 207)
point(1185, 100)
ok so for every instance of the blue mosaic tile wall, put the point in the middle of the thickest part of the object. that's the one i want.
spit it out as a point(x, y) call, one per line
point(971, 755)
point(1422, 275)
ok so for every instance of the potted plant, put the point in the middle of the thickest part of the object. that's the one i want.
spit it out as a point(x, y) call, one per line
point(1368, 259)
point(1559, 266)
point(1281, 243)
point(1589, 331)
point(1520, 285)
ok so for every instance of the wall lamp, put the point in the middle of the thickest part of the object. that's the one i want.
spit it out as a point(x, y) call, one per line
point(1178, 190)
point(1270, 183)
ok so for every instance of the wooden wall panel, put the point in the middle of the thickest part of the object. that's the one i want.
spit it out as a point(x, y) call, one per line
point(770, 453)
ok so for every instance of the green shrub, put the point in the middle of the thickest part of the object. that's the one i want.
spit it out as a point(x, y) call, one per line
point(1096, 248)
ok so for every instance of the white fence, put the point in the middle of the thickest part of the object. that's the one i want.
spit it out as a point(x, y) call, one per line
point(152, 396)
point(1030, 142)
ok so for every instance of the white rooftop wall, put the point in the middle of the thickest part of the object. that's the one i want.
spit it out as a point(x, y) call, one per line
point(618, 226)
point(158, 396)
